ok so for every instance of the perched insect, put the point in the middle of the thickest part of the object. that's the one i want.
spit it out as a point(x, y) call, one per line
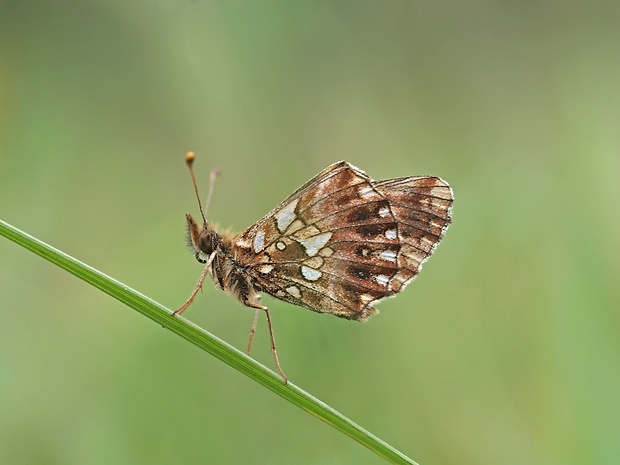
point(339, 244)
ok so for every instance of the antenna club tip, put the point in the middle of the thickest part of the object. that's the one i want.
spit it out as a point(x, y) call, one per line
point(189, 158)
point(214, 174)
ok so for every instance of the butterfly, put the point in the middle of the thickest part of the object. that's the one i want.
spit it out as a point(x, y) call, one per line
point(339, 244)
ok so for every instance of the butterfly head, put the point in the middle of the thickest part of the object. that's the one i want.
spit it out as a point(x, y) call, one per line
point(202, 239)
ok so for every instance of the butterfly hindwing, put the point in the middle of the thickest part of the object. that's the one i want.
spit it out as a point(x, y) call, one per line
point(421, 205)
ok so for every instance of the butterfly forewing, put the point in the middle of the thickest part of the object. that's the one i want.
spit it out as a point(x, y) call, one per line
point(342, 241)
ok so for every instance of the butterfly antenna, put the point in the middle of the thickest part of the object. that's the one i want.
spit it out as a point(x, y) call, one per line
point(215, 172)
point(189, 159)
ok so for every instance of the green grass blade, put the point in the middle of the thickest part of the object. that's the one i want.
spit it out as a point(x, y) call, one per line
point(206, 341)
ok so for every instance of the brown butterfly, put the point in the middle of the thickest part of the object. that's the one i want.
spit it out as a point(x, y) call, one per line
point(339, 244)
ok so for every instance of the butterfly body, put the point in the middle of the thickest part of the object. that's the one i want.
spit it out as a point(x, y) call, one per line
point(228, 267)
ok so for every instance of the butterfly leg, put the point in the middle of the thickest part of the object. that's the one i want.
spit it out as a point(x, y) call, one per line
point(199, 284)
point(259, 307)
point(252, 331)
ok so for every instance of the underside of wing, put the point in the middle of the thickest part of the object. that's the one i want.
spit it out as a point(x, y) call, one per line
point(343, 241)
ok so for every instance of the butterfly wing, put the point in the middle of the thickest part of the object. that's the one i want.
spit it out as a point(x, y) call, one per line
point(342, 241)
point(422, 207)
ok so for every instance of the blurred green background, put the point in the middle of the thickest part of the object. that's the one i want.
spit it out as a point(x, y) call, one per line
point(505, 349)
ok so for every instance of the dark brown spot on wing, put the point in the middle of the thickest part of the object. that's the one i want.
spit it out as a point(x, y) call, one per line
point(358, 272)
point(365, 232)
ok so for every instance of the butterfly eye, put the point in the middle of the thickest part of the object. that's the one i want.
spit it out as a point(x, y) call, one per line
point(206, 241)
